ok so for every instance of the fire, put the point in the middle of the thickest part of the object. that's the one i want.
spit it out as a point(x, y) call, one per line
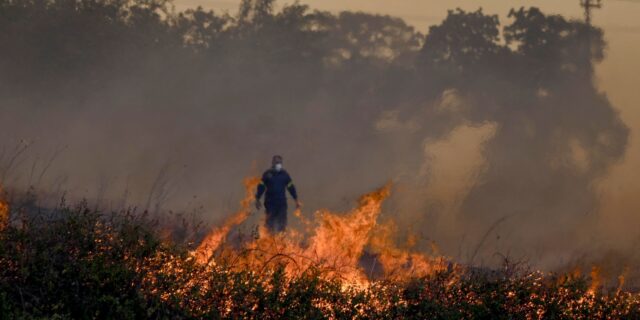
point(402, 262)
point(213, 240)
point(621, 279)
point(4, 211)
point(334, 246)
point(331, 247)
point(341, 239)
point(352, 261)
point(352, 247)
point(332, 243)
point(596, 279)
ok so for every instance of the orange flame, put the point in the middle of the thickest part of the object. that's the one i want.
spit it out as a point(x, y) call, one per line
point(335, 244)
point(333, 249)
point(4, 211)
point(596, 279)
point(341, 240)
point(213, 240)
point(399, 263)
point(621, 279)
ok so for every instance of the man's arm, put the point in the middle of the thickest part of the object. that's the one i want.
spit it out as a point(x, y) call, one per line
point(292, 190)
point(262, 187)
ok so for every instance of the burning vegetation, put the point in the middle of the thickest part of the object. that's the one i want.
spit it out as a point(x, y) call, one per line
point(4, 211)
point(334, 246)
point(74, 262)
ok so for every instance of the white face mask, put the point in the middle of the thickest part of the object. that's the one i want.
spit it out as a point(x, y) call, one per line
point(278, 166)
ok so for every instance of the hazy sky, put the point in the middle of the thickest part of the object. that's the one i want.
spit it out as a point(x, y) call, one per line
point(618, 75)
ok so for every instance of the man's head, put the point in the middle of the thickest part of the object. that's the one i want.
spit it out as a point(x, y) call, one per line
point(276, 162)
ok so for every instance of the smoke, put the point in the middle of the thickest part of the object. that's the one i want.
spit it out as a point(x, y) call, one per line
point(494, 139)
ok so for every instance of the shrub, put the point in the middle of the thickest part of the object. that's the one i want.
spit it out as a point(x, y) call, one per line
point(75, 263)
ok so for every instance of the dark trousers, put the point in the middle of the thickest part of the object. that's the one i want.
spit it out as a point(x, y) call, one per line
point(276, 218)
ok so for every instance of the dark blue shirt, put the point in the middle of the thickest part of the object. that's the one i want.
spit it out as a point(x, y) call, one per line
point(276, 183)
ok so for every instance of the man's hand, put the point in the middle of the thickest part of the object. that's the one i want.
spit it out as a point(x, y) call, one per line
point(258, 204)
point(298, 204)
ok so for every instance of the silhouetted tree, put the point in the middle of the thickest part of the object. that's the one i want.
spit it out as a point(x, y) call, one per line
point(322, 81)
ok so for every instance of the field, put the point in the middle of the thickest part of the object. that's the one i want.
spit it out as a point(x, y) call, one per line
point(73, 262)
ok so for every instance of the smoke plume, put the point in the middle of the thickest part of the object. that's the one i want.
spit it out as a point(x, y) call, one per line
point(494, 137)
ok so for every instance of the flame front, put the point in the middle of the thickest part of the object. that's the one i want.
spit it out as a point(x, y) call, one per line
point(596, 279)
point(333, 244)
point(4, 211)
point(213, 240)
point(340, 262)
point(338, 247)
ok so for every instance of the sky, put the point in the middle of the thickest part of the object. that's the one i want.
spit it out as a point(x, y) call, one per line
point(617, 75)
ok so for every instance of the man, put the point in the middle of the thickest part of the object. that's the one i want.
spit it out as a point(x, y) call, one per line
point(276, 181)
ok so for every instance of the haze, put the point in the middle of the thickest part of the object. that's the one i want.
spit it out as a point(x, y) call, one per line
point(617, 74)
point(508, 150)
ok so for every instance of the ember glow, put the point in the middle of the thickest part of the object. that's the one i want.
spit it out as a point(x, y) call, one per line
point(4, 211)
point(345, 249)
point(334, 243)
point(213, 240)
point(343, 265)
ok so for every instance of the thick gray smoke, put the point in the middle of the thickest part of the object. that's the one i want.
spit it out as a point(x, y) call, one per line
point(494, 140)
